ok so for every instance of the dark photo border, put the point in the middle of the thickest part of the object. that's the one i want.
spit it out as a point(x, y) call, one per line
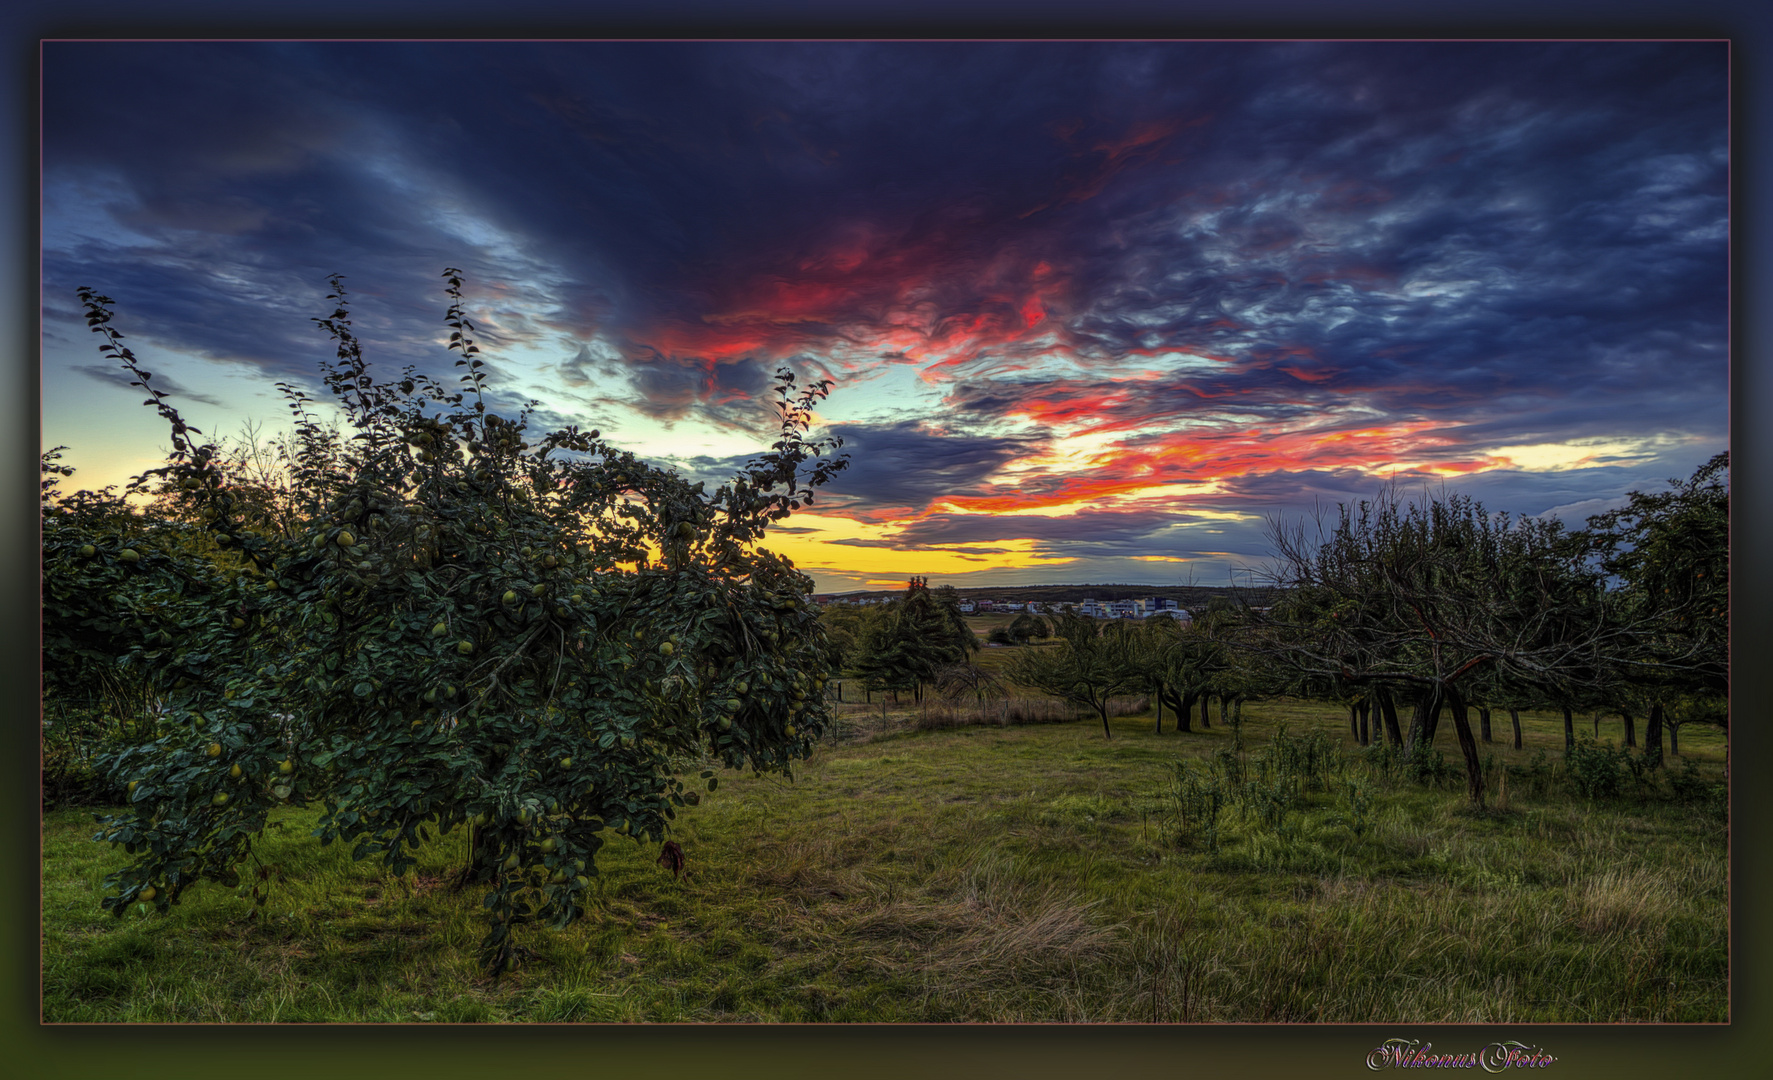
point(31, 1049)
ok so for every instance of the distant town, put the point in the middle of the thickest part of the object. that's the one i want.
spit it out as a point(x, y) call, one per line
point(1094, 601)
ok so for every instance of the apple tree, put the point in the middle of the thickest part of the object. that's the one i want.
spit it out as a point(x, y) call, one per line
point(469, 625)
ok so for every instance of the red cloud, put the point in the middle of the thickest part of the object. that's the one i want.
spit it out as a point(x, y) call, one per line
point(1202, 456)
point(933, 301)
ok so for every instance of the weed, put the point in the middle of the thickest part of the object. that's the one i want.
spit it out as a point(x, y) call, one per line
point(1357, 806)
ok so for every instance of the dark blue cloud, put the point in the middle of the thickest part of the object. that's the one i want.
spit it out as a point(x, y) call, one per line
point(909, 465)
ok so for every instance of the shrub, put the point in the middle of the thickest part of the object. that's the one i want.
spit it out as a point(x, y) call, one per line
point(1595, 770)
point(1688, 786)
point(1428, 767)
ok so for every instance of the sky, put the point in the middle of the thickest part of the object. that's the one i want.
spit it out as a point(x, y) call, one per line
point(1094, 312)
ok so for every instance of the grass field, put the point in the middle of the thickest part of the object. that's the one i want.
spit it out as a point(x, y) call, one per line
point(986, 873)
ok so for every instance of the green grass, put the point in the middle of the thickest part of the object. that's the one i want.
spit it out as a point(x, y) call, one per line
point(1035, 873)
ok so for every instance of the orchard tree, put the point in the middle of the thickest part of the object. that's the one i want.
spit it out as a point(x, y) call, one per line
point(1179, 665)
point(1025, 627)
point(466, 624)
point(1670, 552)
point(1087, 668)
point(908, 642)
point(1423, 597)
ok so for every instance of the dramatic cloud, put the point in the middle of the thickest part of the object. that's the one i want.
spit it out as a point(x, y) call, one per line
point(1074, 296)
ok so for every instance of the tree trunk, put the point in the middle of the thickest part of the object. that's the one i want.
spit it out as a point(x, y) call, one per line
point(1423, 720)
point(1388, 712)
point(1474, 777)
point(1484, 722)
point(1205, 720)
point(1366, 732)
point(1515, 716)
point(1160, 711)
point(1597, 725)
point(1569, 730)
point(1224, 703)
point(840, 693)
point(1653, 736)
point(1631, 729)
point(1674, 738)
point(1103, 709)
point(1354, 720)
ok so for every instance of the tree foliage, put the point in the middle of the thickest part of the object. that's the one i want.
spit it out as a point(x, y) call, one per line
point(1670, 552)
point(457, 622)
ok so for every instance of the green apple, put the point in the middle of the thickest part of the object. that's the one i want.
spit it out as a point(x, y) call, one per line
point(130, 555)
point(146, 894)
point(215, 749)
point(346, 539)
point(87, 551)
point(566, 763)
point(667, 649)
point(550, 846)
point(234, 773)
point(285, 767)
point(509, 598)
point(464, 647)
point(439, 630)
point(220, 798)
